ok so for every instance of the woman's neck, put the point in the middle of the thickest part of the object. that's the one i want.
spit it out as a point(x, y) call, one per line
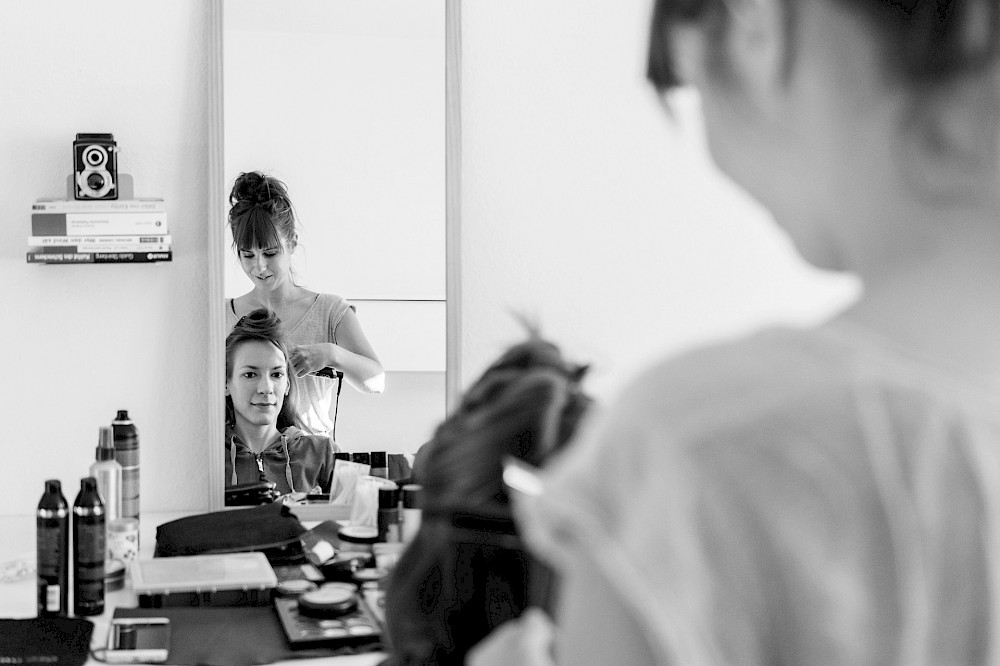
point(258, 438)
point(277, 299)
point(944, 306)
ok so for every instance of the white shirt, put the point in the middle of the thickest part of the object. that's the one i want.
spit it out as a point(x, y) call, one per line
point(796, 497)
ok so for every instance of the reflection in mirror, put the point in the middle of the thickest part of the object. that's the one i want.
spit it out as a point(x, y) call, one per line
point(344, 102)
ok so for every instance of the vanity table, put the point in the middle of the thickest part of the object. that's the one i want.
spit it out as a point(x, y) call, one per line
point(17, 598)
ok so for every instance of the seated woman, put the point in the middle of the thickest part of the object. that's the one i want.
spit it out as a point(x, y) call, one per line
point(465, 572)
point(263, 438)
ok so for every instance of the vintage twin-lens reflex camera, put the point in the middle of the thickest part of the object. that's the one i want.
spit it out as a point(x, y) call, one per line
point(96, 166)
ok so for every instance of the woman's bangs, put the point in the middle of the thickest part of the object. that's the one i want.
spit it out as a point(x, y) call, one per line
point(256, 232)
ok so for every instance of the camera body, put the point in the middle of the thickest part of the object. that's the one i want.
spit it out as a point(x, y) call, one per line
point(95, 166)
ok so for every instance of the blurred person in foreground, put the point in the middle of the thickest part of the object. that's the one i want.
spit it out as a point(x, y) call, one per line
point(825, 495)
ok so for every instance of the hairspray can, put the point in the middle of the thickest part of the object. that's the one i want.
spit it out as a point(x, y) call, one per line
point(127, 454)
point(52, 543)
point(88, 550)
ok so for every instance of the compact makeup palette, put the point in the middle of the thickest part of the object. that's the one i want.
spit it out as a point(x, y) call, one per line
point(332, 615)
point(235, 579)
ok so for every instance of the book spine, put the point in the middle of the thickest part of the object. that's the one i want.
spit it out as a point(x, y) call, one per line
point(97, 239)
point(98, 257)
point(103, 206)
point(82, 224)
point(102, 247)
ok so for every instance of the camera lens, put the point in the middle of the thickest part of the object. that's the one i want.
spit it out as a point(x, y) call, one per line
point(94, 155)
point(95, 181)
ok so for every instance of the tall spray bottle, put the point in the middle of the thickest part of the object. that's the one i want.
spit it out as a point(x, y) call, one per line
point(52, 543)
point(89, 536)
point(126, 438)
point(108, 473)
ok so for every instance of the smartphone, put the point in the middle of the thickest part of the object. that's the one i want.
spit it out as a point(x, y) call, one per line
point(138, 640)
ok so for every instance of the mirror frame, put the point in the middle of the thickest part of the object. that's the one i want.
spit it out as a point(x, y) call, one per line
point(216, 218)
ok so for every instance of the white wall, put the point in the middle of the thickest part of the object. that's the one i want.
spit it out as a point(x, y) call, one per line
point(585, 210)
point(581, 209)
point(80, 342)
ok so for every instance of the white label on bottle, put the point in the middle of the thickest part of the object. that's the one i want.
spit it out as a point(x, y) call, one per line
point(52, 598)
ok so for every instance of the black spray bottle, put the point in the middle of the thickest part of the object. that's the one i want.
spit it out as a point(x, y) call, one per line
point(126, 437)
point(52, 543)
point(88, 550)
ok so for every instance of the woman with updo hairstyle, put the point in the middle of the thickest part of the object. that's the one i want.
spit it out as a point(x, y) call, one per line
point(465, 572)
point(322, 330)
point(264, 439)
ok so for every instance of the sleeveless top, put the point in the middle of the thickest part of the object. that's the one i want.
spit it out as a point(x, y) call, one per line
point(319, 324)
point(794, 497)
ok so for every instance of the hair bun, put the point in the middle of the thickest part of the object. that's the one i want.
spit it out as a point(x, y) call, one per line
point(251, 187)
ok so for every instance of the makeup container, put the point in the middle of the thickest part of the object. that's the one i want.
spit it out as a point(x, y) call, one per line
point(412, 511)
point(330, 600)
point(123, 539)
point(358, 538)
point(114, 575)
point(388, 520)
point(379, 464)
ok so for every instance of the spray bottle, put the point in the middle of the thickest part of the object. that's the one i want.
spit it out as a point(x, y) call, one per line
point(127, 454)
point(89, 533)
point(52, 543)
point(108, 473)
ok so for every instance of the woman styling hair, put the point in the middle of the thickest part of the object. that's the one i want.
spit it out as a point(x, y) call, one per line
point(322, 330)
point(820, 495)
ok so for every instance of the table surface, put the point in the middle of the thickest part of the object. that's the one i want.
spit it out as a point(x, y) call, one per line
point(18, 597)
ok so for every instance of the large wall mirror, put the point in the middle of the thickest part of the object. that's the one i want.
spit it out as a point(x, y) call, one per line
point(349, 103)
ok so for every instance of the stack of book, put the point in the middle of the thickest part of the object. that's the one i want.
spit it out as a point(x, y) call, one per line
point(68, 231)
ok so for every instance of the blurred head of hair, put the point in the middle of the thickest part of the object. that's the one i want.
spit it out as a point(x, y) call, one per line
point(455, 583)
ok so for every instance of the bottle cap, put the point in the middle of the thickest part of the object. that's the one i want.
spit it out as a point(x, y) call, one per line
point(53, 486)
point(378, 459)
point(88, 483)
point(122, 415)
point(105, 443)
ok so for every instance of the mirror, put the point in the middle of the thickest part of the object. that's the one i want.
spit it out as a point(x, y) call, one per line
point(350, 104)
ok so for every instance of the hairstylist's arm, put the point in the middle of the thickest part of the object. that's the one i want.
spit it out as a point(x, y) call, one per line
point(526, 640)
point(354, 356)
point(594, 627)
